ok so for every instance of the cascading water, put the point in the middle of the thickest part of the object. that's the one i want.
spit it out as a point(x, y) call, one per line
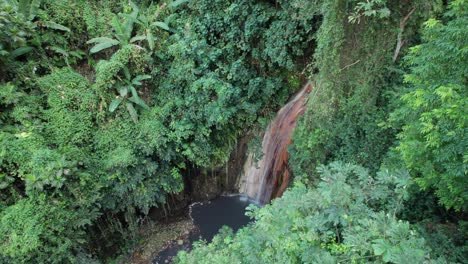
point(269, 178)
point(260, 181)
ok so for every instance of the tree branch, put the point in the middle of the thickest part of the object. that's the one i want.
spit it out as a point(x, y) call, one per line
point(400, 41)
point(349, 65)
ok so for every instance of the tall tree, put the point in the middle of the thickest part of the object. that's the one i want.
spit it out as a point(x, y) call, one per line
point(434, 110)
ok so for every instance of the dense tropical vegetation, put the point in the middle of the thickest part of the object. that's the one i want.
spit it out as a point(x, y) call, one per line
point(400, 112)
point(105, 105)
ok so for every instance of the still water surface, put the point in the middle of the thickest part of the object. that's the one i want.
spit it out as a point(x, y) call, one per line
point(209, 217)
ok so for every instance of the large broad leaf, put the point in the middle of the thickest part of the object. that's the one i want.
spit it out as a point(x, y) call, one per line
point(59, 50)
point(178, 3)
point(137, 80)
point(33, 9)
point(20, 51)
point(118, 28)
point(114, 104)
point(382, 248)
point(78, 54)
point(143, 20)
point(101, 40)
point(23, 8)
point(150, 39)
point(126, 72)
point(123, 91)
point(161, 25)
point(134, 91)
point(132, 112)
point(138, 101)
point(130, 20)
point(135, 10)
point(103, 45)
point(137, 38)
point(53, 25)
point(129, 27)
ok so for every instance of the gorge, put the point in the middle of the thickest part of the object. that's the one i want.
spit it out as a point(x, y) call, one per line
point(133, 128)
point(257, 183)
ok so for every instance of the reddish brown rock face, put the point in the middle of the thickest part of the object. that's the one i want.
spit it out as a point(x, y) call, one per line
point(270, 177)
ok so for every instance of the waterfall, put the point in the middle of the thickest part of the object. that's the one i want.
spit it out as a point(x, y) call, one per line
point(269, 177)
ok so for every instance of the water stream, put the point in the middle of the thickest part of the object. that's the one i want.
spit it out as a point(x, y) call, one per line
point(269, 177)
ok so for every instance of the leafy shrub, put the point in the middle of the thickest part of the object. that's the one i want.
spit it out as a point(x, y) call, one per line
point(348, 218)
point(433, 111)
point(85, 141)
point(70, 107)
point(39, 229)
point(231, 61)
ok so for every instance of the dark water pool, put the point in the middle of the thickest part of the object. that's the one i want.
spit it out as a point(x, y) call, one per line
point(209, 217)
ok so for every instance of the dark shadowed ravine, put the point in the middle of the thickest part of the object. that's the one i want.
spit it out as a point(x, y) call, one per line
point(208, 218)
point(263, 181)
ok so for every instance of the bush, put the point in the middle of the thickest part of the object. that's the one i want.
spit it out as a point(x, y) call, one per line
point(348, 218)
point(40, 229)
point(433, 110)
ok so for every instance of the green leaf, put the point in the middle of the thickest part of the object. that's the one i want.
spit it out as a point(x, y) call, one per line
point(384, 12)
point(150, 39)
point(33, 9)
point(135, 10)
point(139, 101)
point(102, 46)
point(20, 51)
point(382, 248)
point(129, 26)
point(114, 104)
point(178, 3)
point(23, 8)
point(132, 112)
point(137, 38)
point(126, 73)
point(119, 31)
point(134, 91)
point(137, 80)
point(142, 20)
point(161, 25)
point(77, 54)
point(53, 25)
point(123, 91)
point(59, 50)
point(101, 40)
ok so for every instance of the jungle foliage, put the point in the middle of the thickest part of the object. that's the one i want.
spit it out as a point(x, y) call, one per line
point(317, 226)
point(433, 112)
point(104, 105)
point(399, 111)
